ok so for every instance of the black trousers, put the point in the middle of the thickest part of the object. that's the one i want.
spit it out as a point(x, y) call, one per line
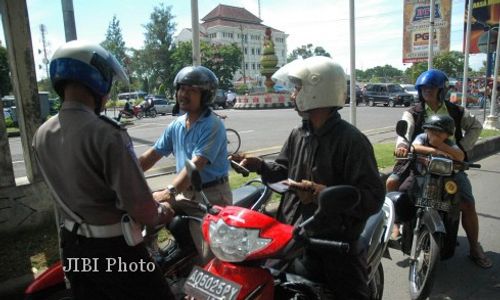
point(110, 269)
point(345, 275)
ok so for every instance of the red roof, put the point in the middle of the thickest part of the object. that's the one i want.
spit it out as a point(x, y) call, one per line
point(232, 13)
point(231, 16)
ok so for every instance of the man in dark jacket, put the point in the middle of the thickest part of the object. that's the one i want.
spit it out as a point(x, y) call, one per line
point(325, 151)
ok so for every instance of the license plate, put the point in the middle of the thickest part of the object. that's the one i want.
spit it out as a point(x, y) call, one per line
point(203, 285)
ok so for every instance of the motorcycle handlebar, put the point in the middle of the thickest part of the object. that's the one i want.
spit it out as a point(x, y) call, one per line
point(329, 245)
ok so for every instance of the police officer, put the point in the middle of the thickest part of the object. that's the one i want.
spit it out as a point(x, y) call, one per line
point(100, 190)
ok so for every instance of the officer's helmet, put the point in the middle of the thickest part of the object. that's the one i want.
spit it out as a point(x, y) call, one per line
point(88, 64)
point(440, 122)
point(322, 83)
point(200, 77)
point(432, 78)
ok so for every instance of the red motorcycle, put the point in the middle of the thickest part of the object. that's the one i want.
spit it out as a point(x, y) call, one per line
point(175, 259)
point(243, 241)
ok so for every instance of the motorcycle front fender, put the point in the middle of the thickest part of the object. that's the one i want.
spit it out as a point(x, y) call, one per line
point(433, 220)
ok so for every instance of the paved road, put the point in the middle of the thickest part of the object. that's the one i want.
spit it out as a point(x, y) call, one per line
point(458, 278)
point(262, 131)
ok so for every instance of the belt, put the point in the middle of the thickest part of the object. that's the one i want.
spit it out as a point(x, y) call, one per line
point(214, 182)
point(95, 231)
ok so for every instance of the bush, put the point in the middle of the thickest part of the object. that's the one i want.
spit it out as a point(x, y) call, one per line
point(8, 122)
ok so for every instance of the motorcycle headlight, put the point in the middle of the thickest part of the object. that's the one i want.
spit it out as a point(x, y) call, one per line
point(441, 166)
point(233, 244)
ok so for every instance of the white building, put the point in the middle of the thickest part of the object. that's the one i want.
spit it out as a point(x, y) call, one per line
point(229, 24)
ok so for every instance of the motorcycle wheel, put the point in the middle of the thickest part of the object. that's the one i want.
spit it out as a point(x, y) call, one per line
point(140, 115)
point(423, 269)
point(377, 284)
point(152, 113)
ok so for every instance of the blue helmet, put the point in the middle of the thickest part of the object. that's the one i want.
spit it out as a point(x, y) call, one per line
point(88, 64)
point(433, 78)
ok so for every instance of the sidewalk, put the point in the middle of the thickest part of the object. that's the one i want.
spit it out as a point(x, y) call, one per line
point(14, 288)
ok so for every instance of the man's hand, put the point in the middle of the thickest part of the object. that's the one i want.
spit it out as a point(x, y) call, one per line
point(253, 164)
point(401, 151)
point(163, 196)
point(306, 190)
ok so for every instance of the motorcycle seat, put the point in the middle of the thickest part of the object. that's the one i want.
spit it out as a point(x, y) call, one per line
point(247, 195)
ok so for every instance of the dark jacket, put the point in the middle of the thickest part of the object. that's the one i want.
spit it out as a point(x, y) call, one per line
point(336, 154)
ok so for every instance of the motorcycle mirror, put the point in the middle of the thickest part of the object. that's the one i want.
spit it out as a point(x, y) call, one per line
point(401, 128)
point(193, 174)
point(338, 199)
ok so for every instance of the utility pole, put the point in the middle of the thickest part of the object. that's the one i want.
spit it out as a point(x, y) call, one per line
point(69, 20)
point(195, 24)
point(45, 44)
point(466, 54)
point(243, 57)
point(431, 34)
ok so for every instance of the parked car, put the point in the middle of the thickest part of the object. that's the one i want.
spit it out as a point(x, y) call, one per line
point(6, 113)
point(359, 94)
point(220, 99)
point(410, 89)
point(163, 106)
point(389, 94)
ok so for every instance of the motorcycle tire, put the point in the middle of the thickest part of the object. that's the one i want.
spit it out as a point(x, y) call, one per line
point(140, 115)
point(423, 269)
point(377, 284)
point(152, 113)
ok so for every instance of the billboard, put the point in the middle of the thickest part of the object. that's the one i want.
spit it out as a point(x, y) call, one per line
point(485, 16)
point(416, 29)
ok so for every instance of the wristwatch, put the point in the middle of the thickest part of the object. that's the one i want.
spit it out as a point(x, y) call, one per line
point(171, 189)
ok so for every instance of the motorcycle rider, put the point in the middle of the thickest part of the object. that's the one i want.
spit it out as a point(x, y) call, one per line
point(325, 151)
point(432, 88)
point(198, 135)
point(89, 163)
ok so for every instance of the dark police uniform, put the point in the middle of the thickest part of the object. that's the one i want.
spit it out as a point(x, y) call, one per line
point(91, 165)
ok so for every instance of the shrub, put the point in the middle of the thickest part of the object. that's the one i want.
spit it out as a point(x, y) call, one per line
point(8, 122)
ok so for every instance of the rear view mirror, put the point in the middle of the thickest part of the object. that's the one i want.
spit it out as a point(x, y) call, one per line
point(337, 199)
point(401, 128)
point(193, 174)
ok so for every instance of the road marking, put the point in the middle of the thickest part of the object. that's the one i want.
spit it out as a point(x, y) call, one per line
point(245, 131)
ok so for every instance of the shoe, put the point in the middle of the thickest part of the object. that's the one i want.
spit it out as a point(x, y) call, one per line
point(482, 261)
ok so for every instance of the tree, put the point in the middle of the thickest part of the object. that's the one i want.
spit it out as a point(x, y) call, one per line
point(306, 51)
point(223, 60)
point(5, 84)
point(156, 58)
point(451, 63)
point(386, 73)
point(115, 44)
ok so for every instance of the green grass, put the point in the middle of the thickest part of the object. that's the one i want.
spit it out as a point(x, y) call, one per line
point(384, 155)
point(486, 133)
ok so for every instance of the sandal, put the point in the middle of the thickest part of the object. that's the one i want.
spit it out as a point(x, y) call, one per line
point(482, 261)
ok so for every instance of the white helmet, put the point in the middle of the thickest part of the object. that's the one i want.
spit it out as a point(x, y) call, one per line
point(322, 81)
point(89, 64)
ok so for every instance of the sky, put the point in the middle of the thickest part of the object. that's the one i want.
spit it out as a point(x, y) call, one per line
point(325, 23)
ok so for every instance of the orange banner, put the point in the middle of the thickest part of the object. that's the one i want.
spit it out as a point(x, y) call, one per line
point(416, 29)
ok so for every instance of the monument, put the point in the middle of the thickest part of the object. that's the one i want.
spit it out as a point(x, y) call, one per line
point(270, 98)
